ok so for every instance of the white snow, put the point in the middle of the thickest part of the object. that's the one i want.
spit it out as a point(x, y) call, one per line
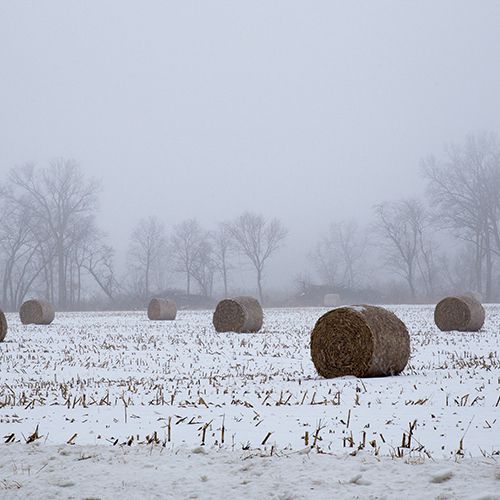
point(106, 472)
point(360, 309)
point(110, 383)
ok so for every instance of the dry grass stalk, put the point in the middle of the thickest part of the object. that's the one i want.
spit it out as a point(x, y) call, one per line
point(38, 312)
point(33, 437)
point(3, 326)
point(364, 341)
point(264, 441)
point(162, 309)
point(240, 314)
point(461, 313)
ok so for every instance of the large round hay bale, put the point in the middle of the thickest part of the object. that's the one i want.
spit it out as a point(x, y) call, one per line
point(331, 300)
point(461, 313)
point(239, 314)
point(364, 341)
point(162, 309)
point(38, 312)
point(3, 326)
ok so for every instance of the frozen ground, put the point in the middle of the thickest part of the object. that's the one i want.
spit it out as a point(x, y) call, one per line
point(152, 392)
point(105, 472)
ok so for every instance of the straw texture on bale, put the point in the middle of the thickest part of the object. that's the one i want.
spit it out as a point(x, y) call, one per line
point(331, 300)
point(239, 314)
point(3, 326)
point(461, 313)
point(38, 312)
point(162, 309)
point(364, 341)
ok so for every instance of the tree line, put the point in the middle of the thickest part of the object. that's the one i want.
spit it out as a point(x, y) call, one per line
point(200, 255)
point(414, 249)
point(447, 241)
point(51, 246)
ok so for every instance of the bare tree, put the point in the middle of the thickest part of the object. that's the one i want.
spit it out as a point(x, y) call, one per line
point(82, 235)
point(187, 243)
point(99, 263)
point(326, 261)
point(19, 249)
point(95, 257)
point(44, 208)
point(465, 191)
point(401, 227)
point(56, 199)
point(148, 247)
point(222, 249)
point(457, 269)
point(338, 255)
point(257, 239)
point(203, 268)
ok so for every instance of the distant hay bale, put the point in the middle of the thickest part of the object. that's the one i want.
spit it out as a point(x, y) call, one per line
point(364, 341)
point(162, 309)
point(331, 300)
point(475, 295)
point(38, 312)
point(3, 326)
point(461, 313)
point(239, 314)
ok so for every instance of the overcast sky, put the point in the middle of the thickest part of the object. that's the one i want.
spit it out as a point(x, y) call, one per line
point(308, 111)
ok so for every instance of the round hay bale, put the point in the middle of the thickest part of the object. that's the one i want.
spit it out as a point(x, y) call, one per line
point(239, 314)
point(162, 309)
point(364, 341)
point(331, 300)
point(461, 313)
point(38, 312)
point(3, 326)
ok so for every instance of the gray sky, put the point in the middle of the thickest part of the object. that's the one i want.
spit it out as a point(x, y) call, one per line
point(308, 111)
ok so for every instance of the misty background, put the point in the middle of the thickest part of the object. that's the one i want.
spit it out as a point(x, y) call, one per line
point(313, 114)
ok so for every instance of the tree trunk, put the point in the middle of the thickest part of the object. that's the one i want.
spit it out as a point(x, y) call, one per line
point(51, 281)
point(224, 277)
point(146, 281)
point(411, 284)
point(5, 287)
point(70, 275)
point(79, 289)
point(489, 272)
point(259, 285)
point(61, 277)
point(478, 267)
point(107, 290)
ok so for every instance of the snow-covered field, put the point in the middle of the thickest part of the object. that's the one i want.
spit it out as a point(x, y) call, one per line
point(113, 404)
